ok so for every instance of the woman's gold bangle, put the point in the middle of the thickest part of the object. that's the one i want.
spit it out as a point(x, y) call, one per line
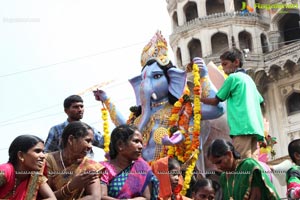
point(63, 193)
point(68, 189)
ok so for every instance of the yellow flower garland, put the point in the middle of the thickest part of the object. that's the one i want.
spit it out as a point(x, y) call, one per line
point(196, 130)
point(105, 129)
point(189, 150)
point(189, 172)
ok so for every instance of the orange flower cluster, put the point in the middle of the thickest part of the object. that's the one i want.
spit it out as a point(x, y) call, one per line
point(173, 126)
point(179, 120)
point(184, 125)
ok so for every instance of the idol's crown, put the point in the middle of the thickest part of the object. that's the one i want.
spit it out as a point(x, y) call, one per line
point(156, 49)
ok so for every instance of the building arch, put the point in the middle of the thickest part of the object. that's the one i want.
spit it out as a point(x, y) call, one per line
point(293, 103)
point(219, 42)
point(179, 57)
point(195, 48)
point(289, 28)
point(215, 6)
point(264, 43)
point(245, 40)
point(238, 5)
point(175, 20)
point(190, 11)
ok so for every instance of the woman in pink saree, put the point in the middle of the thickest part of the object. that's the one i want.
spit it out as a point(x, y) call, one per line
point(21, 178)
point(127, 175)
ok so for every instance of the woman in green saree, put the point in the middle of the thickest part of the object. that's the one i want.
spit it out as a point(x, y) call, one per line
point(241, 179)
point(72, 175)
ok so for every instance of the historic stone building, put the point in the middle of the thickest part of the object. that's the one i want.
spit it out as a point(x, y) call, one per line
point(268, 32)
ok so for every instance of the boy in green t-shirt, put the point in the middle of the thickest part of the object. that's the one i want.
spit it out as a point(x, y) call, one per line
point(244, 114)
point(293, 174)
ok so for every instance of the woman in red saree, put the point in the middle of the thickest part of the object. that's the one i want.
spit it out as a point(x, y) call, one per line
point(127, 175)
point(21, 178)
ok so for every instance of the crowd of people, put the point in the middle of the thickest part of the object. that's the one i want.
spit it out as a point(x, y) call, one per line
point(70, 174)
point(63, 167)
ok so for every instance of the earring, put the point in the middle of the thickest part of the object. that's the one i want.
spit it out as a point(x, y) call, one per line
point(22, 159)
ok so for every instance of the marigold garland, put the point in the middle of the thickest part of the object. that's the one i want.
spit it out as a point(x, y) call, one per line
point(189, 172)
point(197, 108)
point(175, 118)
point(105, 129)
point(196, 130)
point(179, 120)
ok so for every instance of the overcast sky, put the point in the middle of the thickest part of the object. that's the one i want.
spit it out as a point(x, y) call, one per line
point(55, 48)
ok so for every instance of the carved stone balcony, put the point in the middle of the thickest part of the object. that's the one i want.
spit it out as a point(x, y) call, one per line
point(223, 19)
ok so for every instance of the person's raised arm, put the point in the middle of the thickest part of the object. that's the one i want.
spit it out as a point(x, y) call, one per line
point(210, 101)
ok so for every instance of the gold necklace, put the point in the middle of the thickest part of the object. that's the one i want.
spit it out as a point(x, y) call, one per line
point(66, 173)
point(62, 161)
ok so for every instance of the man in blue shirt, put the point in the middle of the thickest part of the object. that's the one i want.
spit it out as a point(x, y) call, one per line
point(74, 108)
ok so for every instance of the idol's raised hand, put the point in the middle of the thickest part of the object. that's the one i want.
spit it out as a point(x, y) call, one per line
point(100, 95)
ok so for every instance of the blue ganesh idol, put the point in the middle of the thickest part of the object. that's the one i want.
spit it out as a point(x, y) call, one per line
point(165, 108)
